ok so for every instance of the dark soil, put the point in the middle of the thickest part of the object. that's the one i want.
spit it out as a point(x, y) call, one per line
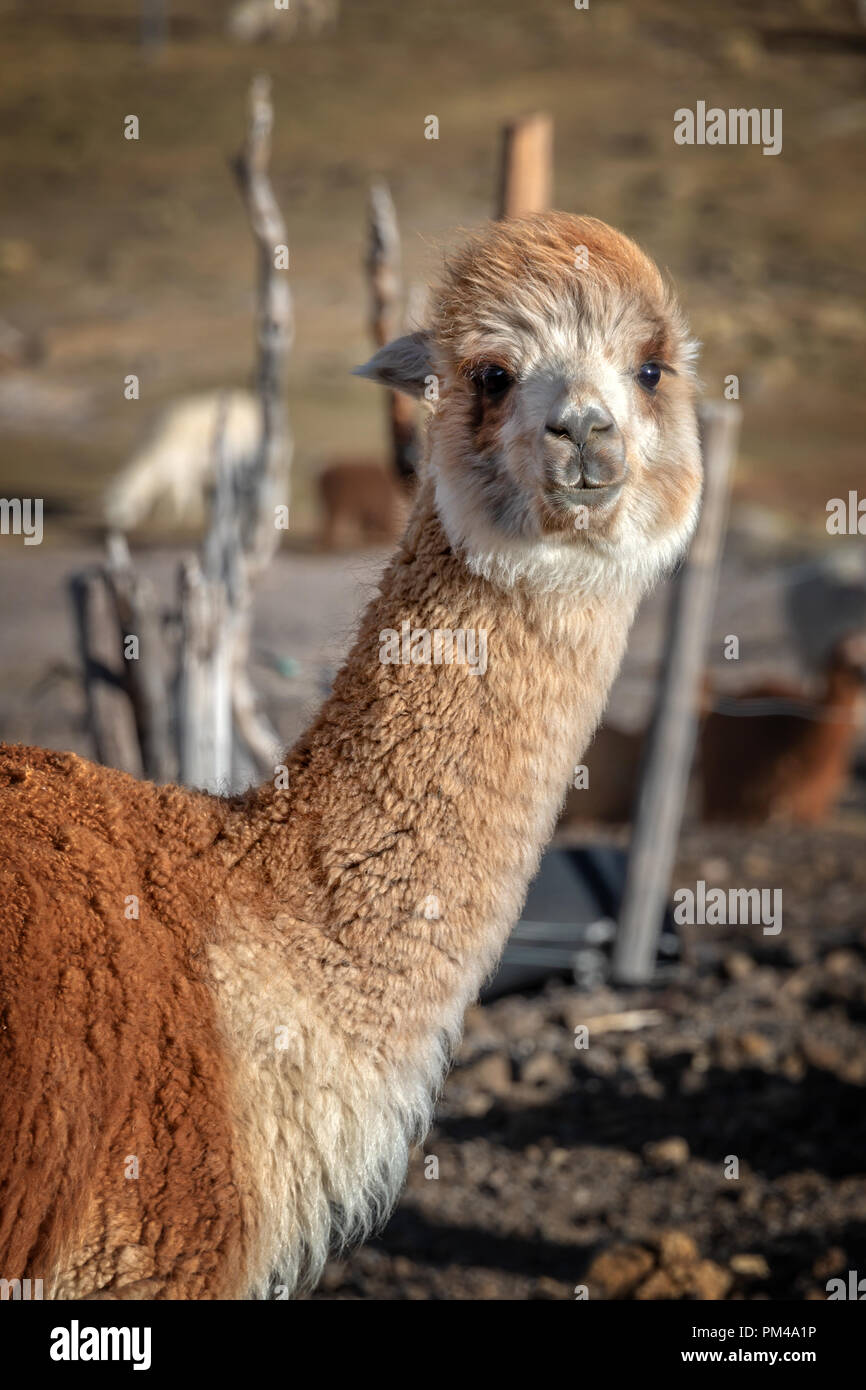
point(607, 1166)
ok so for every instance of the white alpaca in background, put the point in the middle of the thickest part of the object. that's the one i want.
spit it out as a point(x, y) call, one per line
point(255, 21)
point(172, 471)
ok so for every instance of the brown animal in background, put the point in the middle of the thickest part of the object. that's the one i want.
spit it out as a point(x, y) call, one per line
point(225, 1021)
point(788, 758)
point(363, 504)
point(613, 763)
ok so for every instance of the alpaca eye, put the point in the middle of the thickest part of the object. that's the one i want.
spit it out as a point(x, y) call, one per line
point(649, 375)
point(495, 381)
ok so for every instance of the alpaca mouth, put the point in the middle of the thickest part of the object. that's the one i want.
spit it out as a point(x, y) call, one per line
point(568, 499)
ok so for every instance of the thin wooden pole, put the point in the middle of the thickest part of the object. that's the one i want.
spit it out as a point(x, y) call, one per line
point(204, 703)
point(526, 174)
point(143, 675)
point(670, 746)
point(109, 717)
point(153, 24)
point(383, 272)
point(252, 545)
point(274, 330)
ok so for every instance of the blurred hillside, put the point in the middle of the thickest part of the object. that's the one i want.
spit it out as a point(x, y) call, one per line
point(125, 256)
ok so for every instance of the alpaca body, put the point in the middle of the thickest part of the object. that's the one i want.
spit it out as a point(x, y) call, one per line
point(174, 468)
point(260, 21)
point(302, 1056)
point(225, 1021)
point(362, 502)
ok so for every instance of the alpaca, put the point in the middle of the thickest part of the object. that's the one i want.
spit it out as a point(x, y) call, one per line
point(174, 467)
point(774, 753)
point(362, 501)
point(257, 21)
point(225, 1021)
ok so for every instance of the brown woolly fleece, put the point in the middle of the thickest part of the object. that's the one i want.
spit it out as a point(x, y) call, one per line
point(223, 1022)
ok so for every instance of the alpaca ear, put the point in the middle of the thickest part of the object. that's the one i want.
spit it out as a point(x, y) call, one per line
point(404, 364)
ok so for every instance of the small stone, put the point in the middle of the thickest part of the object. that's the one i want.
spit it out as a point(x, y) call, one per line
point(617, 1271)
point(491, 1073)
point(841, 962)
point(676, 1249)
point(737, 965)
point(666, 1155)
point(333, 1277)
point(823, 1056)
point(544, 1069)
point(658, 1286)
point(792, 1067)
point(709, 1280)
point(833, 1261)
point(750, 1266)
point(547, 1288)
point(480, 1028)
point(476, 1105)
point(755, 1047)
point(634, 1055)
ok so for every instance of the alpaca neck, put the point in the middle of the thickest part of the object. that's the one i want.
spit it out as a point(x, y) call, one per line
point(422, 796)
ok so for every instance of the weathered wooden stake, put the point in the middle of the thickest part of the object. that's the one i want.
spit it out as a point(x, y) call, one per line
point(204, 703)
point(268, 484)
point(670, 746)
point(526, 175)
point(153, 25)
point(143, 675)
point(109, 717)
point(255, 497)
point(383, 271)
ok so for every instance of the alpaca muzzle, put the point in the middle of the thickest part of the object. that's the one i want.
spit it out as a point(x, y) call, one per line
point(586, 452)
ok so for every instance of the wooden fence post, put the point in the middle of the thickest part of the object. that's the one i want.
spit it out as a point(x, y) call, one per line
point(274, 330)
point(670, 746)
point(526, 174)
point(143, 676)
point(153, 24)
point(257, 495)
point(204, 697)
point(383, 272)
point(109, 717)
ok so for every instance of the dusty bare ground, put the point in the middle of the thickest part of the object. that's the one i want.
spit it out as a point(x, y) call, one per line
point(120, 257)
point(605, 1166)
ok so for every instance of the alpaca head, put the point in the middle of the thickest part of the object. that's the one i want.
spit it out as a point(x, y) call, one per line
point(563, 437)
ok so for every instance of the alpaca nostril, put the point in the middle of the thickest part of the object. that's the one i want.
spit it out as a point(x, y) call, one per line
point(599, 426)
point(595, 420)
point(579, 424)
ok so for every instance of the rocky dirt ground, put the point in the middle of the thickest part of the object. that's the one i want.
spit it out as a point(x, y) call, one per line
point(606, 1166)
